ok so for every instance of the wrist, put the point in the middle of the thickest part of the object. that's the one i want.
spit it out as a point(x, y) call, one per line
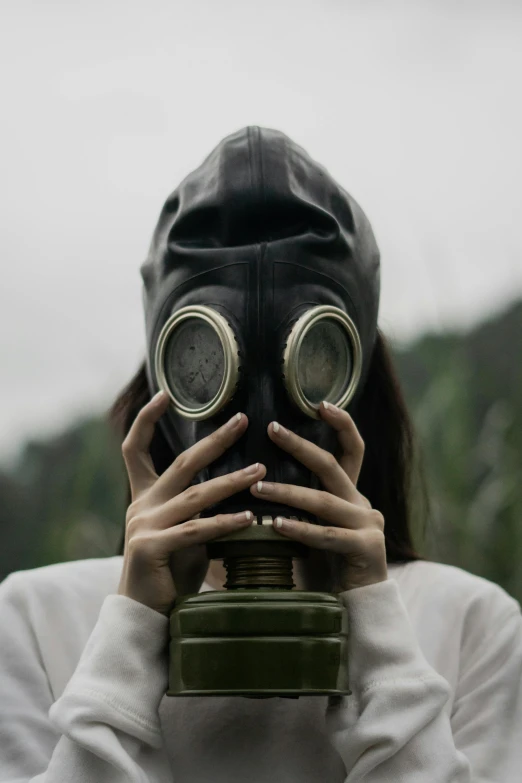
point(352, 580)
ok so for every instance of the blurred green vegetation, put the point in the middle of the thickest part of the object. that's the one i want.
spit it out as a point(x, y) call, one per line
point(464, 391)
point(65, 497)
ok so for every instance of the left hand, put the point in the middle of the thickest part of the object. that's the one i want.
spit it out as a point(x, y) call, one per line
point(353, 544)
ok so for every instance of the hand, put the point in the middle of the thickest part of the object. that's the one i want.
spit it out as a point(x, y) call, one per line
point(165, 554)
point(352, 541)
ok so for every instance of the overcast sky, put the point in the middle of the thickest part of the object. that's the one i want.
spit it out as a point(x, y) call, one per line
point(413, 106)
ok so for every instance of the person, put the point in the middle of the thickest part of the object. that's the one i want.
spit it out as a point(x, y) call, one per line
point(256, 246)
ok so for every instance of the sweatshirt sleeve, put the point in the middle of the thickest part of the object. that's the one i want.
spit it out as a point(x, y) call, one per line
point(105, 726)
point(397, 724)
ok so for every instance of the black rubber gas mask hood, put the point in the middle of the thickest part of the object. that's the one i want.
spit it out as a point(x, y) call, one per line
point(261, 295)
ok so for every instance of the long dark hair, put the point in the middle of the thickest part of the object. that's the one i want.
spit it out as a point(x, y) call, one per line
point(392, 475)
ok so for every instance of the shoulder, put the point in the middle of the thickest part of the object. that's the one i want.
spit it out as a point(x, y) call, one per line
point(451, 583)
point(448, 604)
point(458, 583)
point(47, 614)
point(79, 581)
point(459, 618)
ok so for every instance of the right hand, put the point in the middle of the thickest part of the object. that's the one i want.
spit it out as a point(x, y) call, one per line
point(165, 554)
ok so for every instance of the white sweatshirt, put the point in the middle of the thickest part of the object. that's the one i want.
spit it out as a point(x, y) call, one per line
point(436, 673)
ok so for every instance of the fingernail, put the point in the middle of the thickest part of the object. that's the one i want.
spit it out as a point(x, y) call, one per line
point(243, 516)
point(279, 429)
point(278, 522)
point(158, 396)
point(251, 469)
point(233, 422)
point(263, 486)
point(329, 407)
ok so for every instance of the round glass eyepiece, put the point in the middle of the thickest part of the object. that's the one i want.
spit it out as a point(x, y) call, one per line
point(197, 361)
point(322, 359)
point(324, 362)
point(194, 362)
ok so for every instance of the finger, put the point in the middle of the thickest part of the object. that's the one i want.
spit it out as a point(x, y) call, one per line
point(200, 496)
point(135, 447)
point(196, 531)
point(325, 505)
point(188, 464)
point(332, 539)
point(320, 462)
point(352, 444)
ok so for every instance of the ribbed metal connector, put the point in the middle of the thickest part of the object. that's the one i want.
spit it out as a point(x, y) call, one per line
point(252, 572)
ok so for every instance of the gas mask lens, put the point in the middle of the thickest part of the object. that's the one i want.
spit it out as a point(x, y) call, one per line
point(324, 365)
point(322, 359)
point(194, 363)
point(197, 361)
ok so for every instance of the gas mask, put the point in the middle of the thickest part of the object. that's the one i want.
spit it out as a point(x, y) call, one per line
point(261, 295)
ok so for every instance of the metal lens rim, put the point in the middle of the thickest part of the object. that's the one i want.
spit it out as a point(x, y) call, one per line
point(230, 352)
point(291, 356)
